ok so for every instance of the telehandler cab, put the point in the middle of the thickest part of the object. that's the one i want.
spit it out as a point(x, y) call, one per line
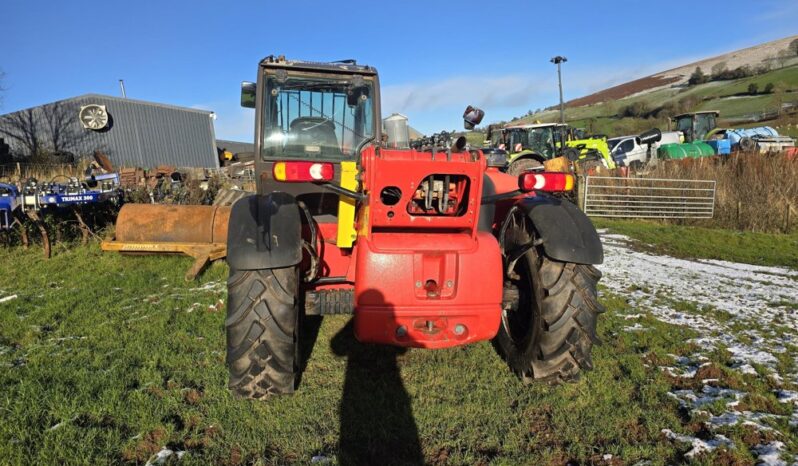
point(428, 249)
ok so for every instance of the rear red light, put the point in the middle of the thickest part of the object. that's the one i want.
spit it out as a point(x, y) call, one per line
point(548, 182)
point(302, 171)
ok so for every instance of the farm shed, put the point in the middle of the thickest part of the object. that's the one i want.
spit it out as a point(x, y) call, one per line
point(131, 132)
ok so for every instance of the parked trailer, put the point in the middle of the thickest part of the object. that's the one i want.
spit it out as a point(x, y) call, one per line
point(761, 139)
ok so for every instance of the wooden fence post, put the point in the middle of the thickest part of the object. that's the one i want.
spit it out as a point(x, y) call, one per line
point(739, 206)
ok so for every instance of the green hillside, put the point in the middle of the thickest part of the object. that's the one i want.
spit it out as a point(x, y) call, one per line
point(652, 109)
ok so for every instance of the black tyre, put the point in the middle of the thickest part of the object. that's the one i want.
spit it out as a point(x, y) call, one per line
point(549, 332)
point(522, 165)
point(571, 154)
point(747, 144)
point(263, 331)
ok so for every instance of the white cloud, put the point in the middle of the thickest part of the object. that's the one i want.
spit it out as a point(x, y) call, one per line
point(436, 105)
point(483, 91)
point(513, 91)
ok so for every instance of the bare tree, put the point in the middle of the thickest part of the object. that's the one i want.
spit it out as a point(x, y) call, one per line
point(63, 134)
point(23, 127)
point(47, 134)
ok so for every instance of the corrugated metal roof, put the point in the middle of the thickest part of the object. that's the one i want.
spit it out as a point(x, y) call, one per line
point(143, 134)
point(235, 147)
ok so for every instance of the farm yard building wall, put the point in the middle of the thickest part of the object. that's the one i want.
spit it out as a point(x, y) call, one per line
point(142, 134)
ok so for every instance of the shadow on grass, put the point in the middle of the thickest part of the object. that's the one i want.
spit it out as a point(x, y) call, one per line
point(377, 425)
point(309, 329)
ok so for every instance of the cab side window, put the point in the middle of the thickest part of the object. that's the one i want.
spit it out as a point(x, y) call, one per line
point(627, 146)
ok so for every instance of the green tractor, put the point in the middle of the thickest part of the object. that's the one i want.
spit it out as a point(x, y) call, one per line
point(529, 145)
point(697, 126)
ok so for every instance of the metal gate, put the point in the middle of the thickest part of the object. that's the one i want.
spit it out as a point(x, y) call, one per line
point(606, 196)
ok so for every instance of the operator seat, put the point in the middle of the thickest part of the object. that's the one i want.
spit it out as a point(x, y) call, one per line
point(320, 132)
point(313, 131)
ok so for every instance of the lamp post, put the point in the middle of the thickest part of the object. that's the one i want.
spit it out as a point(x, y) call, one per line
point(558, 60)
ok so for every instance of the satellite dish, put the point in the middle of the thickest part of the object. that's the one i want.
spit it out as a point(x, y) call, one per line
point(94, 117)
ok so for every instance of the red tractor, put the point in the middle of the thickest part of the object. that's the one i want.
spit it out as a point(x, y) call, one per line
point(427, 248)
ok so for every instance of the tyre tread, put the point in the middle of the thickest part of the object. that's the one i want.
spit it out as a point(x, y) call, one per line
point(261, 329)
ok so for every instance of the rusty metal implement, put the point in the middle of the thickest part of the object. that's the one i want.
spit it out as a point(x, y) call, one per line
point(194, 230)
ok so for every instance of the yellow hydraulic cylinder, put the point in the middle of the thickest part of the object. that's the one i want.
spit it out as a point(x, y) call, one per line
point(346, 206)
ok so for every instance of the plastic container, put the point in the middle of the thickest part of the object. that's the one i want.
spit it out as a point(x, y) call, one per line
point(671, 151)
point(720, 146)
point(682, 151)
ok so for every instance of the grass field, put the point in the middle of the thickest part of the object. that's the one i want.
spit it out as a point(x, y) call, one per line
point(709, 243)
point(110, 359)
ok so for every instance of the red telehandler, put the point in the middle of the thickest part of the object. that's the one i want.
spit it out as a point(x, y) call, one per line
point(427, 248)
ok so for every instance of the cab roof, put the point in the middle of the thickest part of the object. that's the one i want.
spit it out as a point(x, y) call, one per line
point(341, 66)
point(715, 112)
point(534, 125)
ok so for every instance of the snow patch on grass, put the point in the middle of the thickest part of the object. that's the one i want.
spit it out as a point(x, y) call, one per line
point(708, 395)
point(163, 455)
point(699, 446)
point(715, 298)
point(770, 454)
point(217, 286)
point(749, 311)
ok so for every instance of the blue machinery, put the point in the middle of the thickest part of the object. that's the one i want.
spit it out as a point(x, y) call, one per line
point(61, 194)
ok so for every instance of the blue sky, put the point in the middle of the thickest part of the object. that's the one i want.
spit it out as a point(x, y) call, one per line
point(434, 58)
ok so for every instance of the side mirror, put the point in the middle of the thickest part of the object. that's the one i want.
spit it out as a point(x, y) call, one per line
point(472, 117)
point(248, 90)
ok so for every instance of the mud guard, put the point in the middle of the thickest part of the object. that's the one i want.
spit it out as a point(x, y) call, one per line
point(265, 232)
point(567, 234)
